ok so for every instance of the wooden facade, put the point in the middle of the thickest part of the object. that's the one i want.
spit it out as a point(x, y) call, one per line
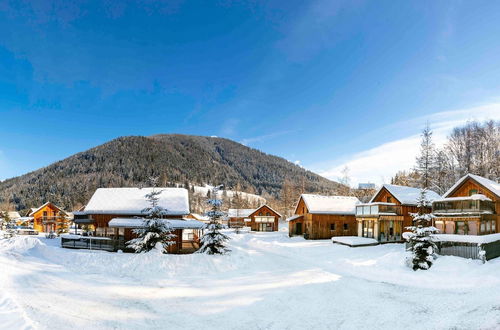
point(468, 216)
point(185, 241)
point(320, 225)
point(387, 219)
point(263, 218)
point(49, 218)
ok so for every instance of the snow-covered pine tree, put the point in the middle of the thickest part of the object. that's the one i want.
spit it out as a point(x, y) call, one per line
point(421, 246)
point(422, 218)
point(213, 241)
point(156, 232)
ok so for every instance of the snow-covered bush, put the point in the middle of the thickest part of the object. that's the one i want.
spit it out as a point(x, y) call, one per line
point(421, 246)
point(213, 241)
point(156, 232)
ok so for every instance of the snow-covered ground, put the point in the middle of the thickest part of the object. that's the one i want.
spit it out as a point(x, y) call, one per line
point(269, 281)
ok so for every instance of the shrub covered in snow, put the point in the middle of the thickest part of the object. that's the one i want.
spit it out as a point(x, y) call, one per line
point(156, 233)
point(213, 241)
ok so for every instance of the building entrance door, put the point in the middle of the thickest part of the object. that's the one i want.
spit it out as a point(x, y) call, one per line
point(298, 228)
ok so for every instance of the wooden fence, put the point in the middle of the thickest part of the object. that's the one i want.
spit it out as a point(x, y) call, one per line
point(485, 251)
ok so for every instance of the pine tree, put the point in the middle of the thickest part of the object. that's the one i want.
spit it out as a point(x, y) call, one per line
point(420, 243)
point(213, 240)
point(422, 217)
point(426, 160)
point(156, 232)
point(422, 248)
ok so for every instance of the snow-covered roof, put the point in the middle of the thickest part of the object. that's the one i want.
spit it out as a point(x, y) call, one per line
point(200, 217)
point(239, 213)
point(132, 201)
point(139, 223)
point(330, 204)
point(34, 210)
point(295, 217)
point(492, 186)
point(14, 214)
point(407, 195)
point(475, 197)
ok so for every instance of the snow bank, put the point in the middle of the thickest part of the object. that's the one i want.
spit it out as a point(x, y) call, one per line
point(483, 239)
point(354, 240)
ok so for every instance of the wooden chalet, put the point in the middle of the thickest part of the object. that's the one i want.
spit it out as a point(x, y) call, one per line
point(48, 218)
point(470, 207)
point(323, 217)
point(113, 214)
point(387, 214)
point(263, 218)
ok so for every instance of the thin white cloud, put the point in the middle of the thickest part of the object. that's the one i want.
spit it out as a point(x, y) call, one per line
point(380, 163)
point(265, 137)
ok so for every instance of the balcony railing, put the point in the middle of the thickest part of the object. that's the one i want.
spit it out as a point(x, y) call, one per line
point(52, 219)
point(375, 209)
point(465, 206)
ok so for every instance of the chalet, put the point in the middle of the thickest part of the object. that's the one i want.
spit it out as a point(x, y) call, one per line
point(470, 207)
point(387, 214)
point(48, 218)
point(323, 217)
point(113, 214)
point(263, 218)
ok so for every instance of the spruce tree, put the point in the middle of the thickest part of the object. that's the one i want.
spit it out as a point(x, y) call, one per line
point(422, 248)
point(213, 241)
point(427, 159)
point(156, 232)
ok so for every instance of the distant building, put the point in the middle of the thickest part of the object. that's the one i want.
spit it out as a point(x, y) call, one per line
point(323, 217)
point(48, 218)
point(263, 218)
point(366, 186)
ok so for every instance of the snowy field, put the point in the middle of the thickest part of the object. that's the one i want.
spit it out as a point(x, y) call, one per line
point(269, 281)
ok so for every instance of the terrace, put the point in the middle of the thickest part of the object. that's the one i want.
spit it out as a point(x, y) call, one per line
point(376, 209)
point(473, 205)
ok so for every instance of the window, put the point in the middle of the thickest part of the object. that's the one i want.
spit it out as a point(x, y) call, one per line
point(346, 226)
point(332, 226)
point(389, 199)
point(472, 192)
point(268, 214)
point(260, 213)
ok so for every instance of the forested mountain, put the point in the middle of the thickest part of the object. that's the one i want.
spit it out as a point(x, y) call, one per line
point(130, 161)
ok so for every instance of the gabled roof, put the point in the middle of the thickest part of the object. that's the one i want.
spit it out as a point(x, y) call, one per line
point(265, 205)
point(239, 213)
point(34, 210)
point(245, 213)
point(406, 195)
point(318, 204)
point(492, 186)
point(12, 214)
point(132, 201)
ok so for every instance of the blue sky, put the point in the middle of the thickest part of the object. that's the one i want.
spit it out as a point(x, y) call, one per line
point(325, 83)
